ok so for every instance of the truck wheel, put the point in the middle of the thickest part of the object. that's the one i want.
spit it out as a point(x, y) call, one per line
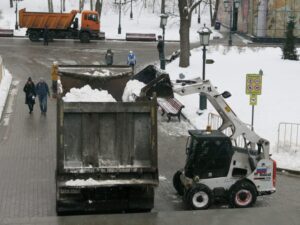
point(199, 197)
point(242, 194)
point(34, 36)
point(177, 182)
point(84, 37)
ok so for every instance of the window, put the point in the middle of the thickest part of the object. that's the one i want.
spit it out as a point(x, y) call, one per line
point(93, 17)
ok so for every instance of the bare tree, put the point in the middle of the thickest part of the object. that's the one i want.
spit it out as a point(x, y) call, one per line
point(163, 6)
point(91, 5)
point(216, 9)
point(11, 3)
point(50, 5)
point(64, 5)
point(98, 7)
point(186, 8)
point(81, 5)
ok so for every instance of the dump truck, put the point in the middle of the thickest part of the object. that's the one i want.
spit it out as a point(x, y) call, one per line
point(60, 25)
point(106, 151)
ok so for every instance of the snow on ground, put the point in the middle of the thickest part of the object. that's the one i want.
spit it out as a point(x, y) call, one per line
point(4, 88)
point(132, 90)
point(145, 20)
point(280, 90)
point(87, 94)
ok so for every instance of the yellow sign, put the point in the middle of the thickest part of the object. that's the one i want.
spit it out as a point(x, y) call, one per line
point(253, 100)
point(253, 84)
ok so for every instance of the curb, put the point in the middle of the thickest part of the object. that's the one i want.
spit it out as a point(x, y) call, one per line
point(4, 91)
point(288, 171)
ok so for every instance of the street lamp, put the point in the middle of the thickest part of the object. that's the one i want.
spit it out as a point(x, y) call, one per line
point(17, 25)
point(204, 35)
point(163, 23)
point(120, 8)
point(232, 4)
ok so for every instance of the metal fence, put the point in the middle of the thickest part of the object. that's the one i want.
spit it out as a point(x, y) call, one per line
point(288, 137)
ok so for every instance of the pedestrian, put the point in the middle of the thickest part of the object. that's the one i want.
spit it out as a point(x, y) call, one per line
point(42, 90)
point(109, 57)
point(54, 77)
point(131, 59)
point(160, 48)
point(30, 94)
point(46, 35)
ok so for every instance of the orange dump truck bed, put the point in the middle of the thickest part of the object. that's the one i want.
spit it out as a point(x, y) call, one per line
point(39, 20)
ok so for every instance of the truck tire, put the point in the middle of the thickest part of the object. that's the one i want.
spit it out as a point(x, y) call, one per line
point(242, 194)
point(199, 197)
point(177, 183)
point(34, 36)
point(84, 37)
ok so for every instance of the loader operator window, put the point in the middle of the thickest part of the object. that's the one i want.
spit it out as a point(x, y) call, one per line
point(208, 159)
point(93, 17)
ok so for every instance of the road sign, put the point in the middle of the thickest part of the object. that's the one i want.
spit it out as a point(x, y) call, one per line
point(253, 84)
point(253, 100)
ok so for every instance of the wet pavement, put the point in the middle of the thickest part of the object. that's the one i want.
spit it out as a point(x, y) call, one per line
point(28, 149)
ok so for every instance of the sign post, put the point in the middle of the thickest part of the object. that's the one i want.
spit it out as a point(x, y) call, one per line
point(253, 88)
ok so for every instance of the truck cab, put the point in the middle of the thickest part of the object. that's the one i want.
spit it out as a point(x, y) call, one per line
point(90, 25)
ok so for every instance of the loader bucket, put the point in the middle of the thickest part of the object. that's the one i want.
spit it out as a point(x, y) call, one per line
point(156, 81)
point(111, 78)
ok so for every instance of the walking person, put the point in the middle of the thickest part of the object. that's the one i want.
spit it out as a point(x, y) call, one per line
point(42, 91)
point(30, 94)
point(54, 77)
point(109, 57)
point(46, 35)
point(131, 59)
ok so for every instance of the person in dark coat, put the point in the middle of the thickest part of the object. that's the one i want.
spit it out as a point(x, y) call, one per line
point(42, 91)
point(109, 57)
point(46, 35)
point(30, 94)
point(160, 48)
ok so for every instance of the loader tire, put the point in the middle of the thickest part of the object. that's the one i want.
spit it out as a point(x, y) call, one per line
point(177, 183)
point(199, 197)
point(242, 194)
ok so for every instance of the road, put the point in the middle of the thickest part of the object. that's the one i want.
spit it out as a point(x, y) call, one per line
point(27, 149)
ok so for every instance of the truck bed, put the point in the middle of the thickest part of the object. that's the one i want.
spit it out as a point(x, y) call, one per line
point(39, 20)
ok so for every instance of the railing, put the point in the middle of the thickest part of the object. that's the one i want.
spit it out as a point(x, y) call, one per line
point(288, 137)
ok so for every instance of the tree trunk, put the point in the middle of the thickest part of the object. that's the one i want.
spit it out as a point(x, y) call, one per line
point(214, 18)
point(11, 3)
point(50, 6)
point(98, 7)
point(184, 32)
point(163, 4)
point(64, 5)
point(91, 5)
point(210, 12)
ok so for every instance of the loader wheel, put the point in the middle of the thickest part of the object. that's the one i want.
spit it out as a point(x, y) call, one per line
point(84, 37)
point(242, 194)
point(177, 182)
point(199, 197)
point(34, 36)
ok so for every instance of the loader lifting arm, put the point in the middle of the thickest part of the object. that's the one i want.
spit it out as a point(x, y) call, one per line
point(229, 118)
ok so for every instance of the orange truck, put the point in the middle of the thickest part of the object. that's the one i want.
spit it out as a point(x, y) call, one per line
point(60, 25)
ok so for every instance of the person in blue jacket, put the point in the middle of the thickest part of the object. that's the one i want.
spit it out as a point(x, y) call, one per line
point(42, 91)
point(131, 59)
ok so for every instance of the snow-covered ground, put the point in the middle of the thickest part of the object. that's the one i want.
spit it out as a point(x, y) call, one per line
point(4, 88)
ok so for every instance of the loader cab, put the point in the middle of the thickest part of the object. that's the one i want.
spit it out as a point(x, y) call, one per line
point(90, 21)
point(208, 154)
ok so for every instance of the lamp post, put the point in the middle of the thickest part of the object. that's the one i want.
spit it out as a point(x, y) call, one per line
point(231, 4)
point(131, 14)
point(163, 23)
point(204, 35)
point(120, 8)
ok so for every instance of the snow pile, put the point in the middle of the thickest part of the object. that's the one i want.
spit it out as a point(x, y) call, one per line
point(4, 88)
point(132, 90)
point(87, 94)
point(99, 73)
point(80, 182)
point(287, 160)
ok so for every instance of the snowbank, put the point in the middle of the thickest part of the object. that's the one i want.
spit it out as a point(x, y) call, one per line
point(4, 88)
point(87, 94)
point(132, 90)
point(100, 73)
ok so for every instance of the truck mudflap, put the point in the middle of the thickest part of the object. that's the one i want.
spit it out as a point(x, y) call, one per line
point(105, 199)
